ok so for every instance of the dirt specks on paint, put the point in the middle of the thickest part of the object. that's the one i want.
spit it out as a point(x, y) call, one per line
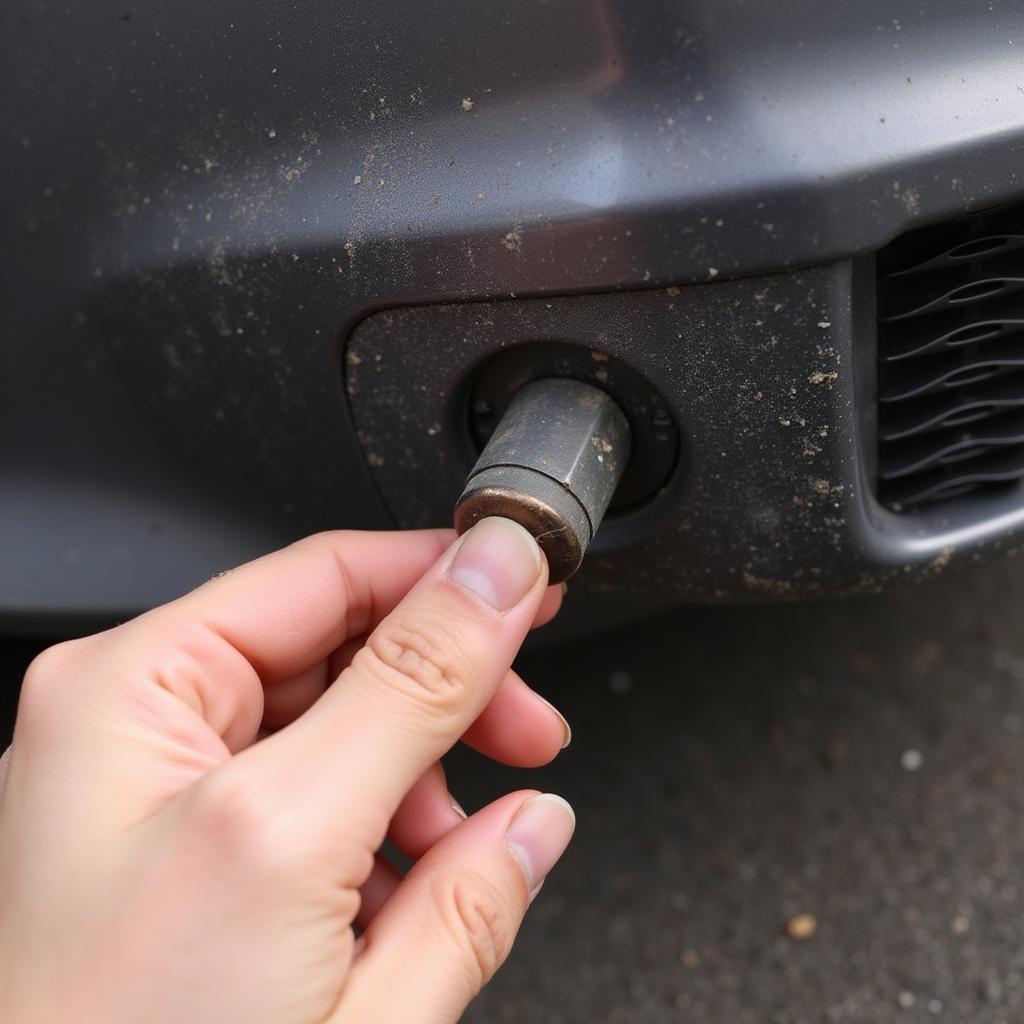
point(217, 266)
point(765, 585)
point(826, 488)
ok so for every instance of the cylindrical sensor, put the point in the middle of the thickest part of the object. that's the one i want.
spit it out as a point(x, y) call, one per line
point(551, 465)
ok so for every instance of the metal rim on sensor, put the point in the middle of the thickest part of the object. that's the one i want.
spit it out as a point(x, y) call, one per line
point(552, 466)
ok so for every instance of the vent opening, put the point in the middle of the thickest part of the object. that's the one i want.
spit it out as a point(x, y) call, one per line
point(951, 360)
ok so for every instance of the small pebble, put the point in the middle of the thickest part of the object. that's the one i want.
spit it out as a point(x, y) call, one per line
point(906, 1000)
point(689, 958)
point(991, 989)
point(911, 760)
point(801, 927)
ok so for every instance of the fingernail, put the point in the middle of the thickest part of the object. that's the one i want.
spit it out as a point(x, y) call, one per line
point(498, 561)
point(566, 728)
point(457, 807)
point(538, 836)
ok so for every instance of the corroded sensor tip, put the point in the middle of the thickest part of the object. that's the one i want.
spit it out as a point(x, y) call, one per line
point(552, 465)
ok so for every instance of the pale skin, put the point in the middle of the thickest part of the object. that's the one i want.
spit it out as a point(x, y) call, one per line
point(192, 807)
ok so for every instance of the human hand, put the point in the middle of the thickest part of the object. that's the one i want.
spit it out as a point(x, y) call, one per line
point(164, 859)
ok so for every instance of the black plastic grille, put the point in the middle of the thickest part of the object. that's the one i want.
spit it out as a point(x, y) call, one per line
point(951, 359)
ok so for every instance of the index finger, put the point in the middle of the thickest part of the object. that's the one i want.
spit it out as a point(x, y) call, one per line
point(288, 610)
point(215, 648)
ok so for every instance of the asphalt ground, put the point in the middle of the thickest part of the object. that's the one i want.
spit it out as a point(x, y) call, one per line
point(787, 814)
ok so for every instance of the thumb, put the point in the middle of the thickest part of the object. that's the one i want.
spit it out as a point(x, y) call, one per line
point(451, 923)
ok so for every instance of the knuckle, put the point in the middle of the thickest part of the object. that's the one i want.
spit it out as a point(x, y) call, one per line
point(232, 819)
point(423, 662)
point(203, 670)
point(478, 921)
point(53, 663)
point(49, 672)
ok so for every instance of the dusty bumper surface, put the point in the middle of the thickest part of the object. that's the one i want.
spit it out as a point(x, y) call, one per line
point(202, 200)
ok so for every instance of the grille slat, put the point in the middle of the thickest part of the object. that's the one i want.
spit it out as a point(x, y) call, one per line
point(923, 296)
point(964, 252)
point(995, 467)
point(951, 409)
point(952, 369)
point(921, 339)
point(927, 451)
point(951, 360)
